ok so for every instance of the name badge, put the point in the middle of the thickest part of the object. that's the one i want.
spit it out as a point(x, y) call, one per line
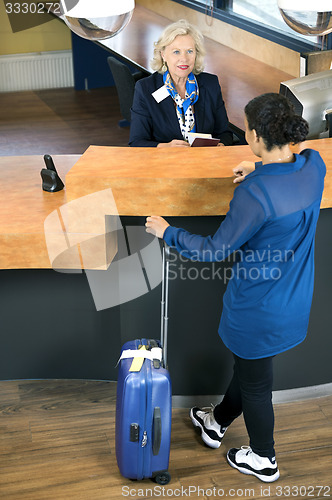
point(160, 94)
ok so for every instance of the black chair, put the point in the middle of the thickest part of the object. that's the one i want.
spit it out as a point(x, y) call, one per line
point(125, 84)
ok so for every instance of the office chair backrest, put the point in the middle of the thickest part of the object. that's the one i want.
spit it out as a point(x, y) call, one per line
point(125, 84)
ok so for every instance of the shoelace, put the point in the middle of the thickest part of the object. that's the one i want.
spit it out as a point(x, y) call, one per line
point(208, 409)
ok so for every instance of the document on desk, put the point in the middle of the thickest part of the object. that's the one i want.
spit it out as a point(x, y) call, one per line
point(202, 140)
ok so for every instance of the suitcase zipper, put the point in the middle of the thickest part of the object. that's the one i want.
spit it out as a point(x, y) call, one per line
point(146, 447)
point(141, 473)
point(142, 419)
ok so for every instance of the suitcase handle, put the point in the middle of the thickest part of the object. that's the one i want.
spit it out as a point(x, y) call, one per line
point(164, 301)
point(156, 431)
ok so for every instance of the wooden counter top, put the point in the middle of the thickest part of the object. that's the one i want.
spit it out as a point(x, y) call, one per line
point(24, 207)
point(143, 181)
point(170, 181)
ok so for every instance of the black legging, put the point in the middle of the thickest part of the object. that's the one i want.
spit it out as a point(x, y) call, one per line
point(250, 392)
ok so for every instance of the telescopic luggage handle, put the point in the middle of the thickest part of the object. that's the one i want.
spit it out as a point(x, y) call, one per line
point(164, 302)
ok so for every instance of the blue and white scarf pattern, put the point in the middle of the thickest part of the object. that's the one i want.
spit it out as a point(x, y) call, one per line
point(184, 107)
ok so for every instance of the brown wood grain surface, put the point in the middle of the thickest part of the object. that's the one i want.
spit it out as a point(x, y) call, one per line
point(170, 181)
point(58, 442)
point(143, 181)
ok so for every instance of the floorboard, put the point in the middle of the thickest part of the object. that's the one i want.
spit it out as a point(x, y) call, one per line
point(57, 442)
point(59, 121)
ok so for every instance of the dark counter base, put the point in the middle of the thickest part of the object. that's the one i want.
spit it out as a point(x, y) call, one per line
point(51, 329)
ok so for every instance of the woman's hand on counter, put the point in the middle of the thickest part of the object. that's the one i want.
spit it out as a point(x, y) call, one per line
point(242, 170)
point(156, 225)
point(173, 143)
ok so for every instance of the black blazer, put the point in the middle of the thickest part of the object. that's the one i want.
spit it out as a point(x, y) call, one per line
point(152, 122)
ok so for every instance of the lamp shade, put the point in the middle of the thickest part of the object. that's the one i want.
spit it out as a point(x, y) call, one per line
point(97, 19)
point(308, 17)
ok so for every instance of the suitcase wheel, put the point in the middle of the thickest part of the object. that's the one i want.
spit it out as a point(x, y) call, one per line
point(163, 478)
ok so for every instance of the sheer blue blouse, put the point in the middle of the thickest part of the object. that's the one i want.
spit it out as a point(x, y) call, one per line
point(271, 223)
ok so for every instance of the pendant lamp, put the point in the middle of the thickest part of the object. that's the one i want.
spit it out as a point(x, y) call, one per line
point(308, 17)
point(97, 19)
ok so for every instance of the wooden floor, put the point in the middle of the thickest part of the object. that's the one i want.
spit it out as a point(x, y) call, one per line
point(59, 121)
point(57, 442)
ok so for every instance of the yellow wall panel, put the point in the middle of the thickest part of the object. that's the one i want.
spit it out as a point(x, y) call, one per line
point(53, 35)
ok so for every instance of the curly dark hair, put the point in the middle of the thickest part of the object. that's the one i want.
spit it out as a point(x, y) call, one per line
point(273, 117)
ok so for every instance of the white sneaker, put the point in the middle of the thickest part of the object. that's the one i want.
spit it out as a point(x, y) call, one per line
point(248, 462)
point(211, 432)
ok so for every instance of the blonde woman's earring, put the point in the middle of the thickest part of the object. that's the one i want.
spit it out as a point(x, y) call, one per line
point(164, 67)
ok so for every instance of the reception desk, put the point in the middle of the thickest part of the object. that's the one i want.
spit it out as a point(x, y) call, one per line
point(51, 325)
point(169, 182)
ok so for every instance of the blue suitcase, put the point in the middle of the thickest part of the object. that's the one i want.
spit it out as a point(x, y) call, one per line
point(144, 403)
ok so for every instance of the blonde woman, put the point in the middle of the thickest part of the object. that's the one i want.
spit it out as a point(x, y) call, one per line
point(179, 97)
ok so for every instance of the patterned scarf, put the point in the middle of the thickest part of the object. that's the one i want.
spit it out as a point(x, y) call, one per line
point(184, 107)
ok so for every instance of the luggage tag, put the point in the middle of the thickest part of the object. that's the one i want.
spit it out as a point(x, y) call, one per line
point(137, 362)
point(140, 355)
